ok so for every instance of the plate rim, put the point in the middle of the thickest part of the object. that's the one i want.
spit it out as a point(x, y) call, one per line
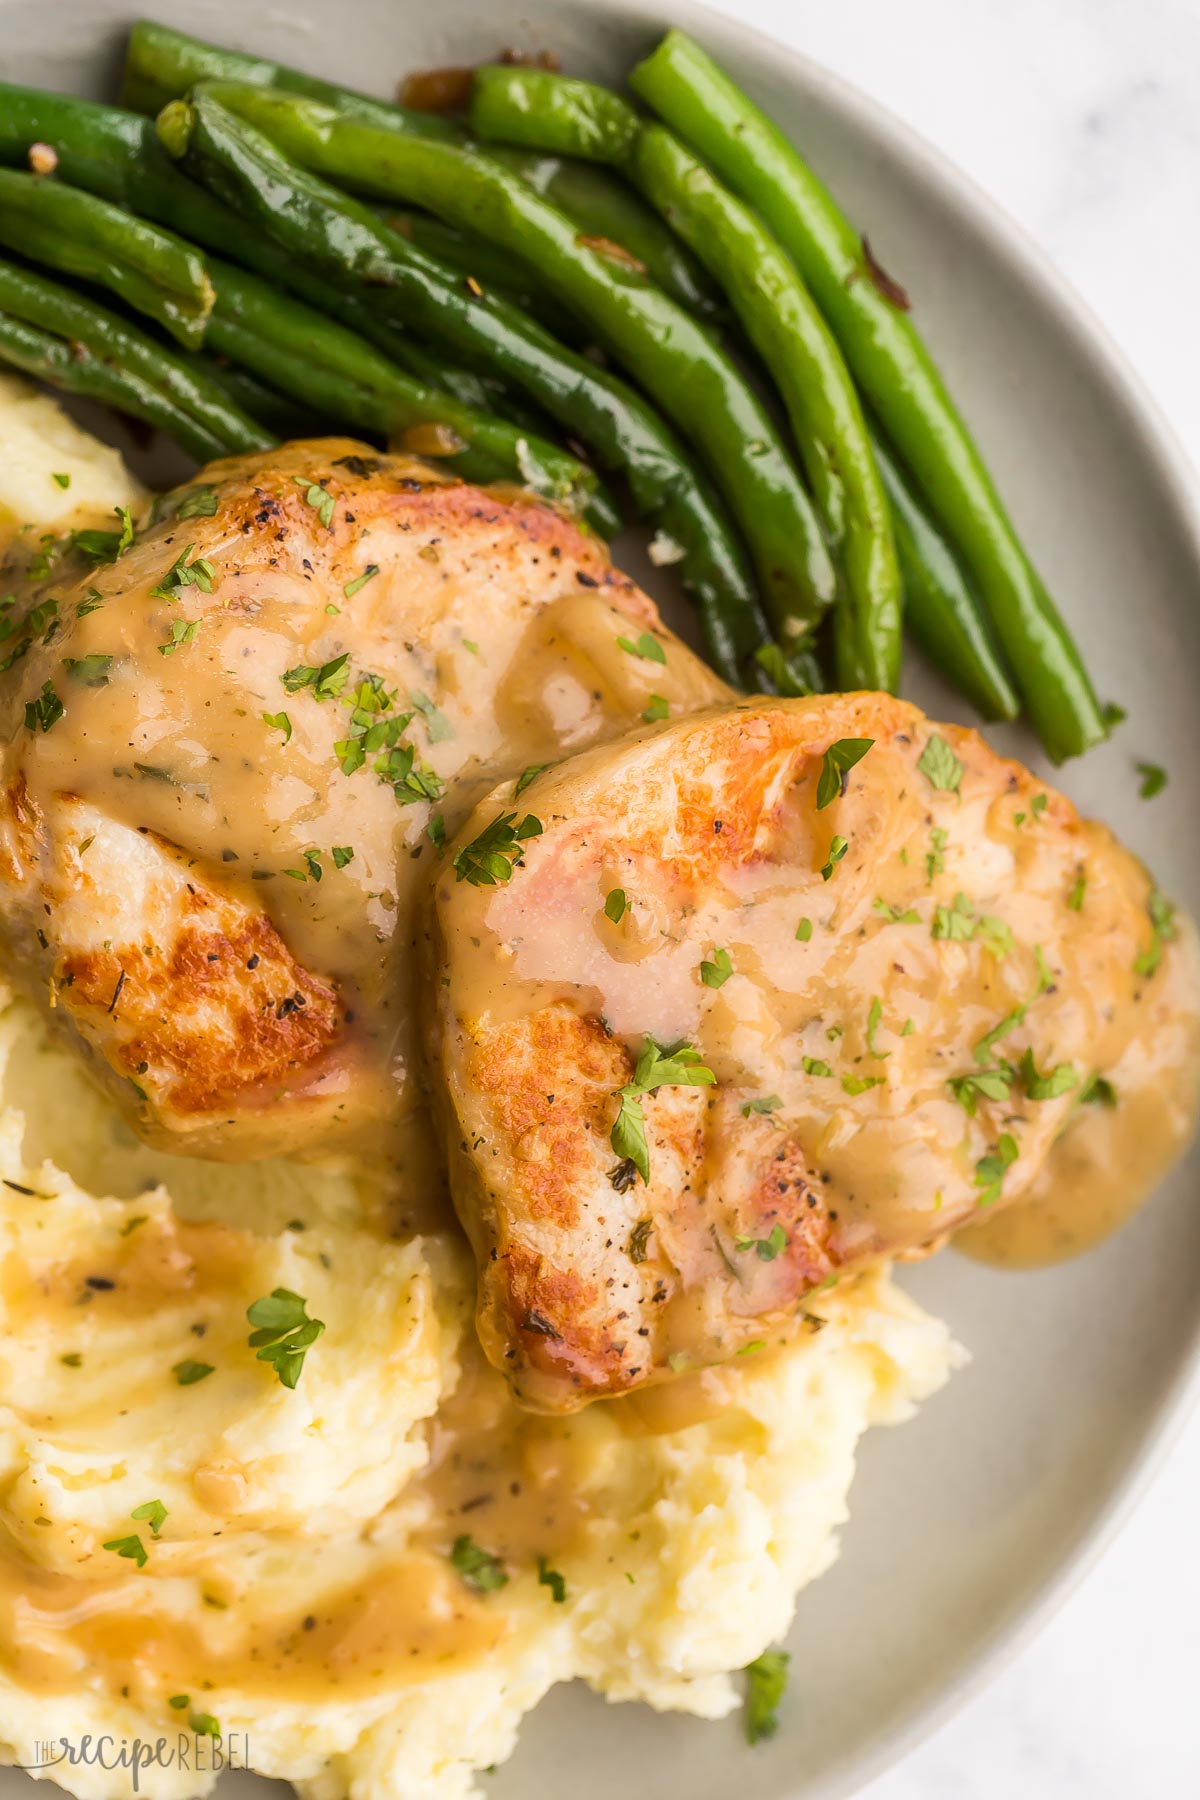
point(1160, 448)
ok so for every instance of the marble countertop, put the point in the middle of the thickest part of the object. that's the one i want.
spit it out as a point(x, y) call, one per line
point(1082, 118)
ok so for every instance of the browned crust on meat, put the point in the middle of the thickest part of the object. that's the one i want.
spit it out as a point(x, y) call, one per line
point(541, 1079)
point(158, 1005)
point(554, 1316)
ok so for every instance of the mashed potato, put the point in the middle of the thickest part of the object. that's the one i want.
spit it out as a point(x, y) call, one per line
point(303, 1578)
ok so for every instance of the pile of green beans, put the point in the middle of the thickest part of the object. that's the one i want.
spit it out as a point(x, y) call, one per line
point(557, 265)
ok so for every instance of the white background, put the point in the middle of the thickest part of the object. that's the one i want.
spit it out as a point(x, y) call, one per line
point(1082, 118)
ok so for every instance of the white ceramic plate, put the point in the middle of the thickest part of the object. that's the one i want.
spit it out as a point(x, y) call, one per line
point(968, 1524)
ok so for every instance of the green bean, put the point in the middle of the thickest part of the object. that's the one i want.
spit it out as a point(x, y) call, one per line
point(312, 222)
point(277, 413)
point(117, 155)
point(59, 364)
point(152, 270)
point(603, 207)
point(939, 608)
point(870, 317)
point(492, 271)
point(300, 350)
point(162, 64)
point(185, 386)
point(780, 320)
point(665, 349)
point(555, 114)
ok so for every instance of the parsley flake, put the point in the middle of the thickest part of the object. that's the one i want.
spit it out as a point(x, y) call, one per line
point(656, 710)
point(183, 631)
point(766, 1249)
point(283, 1332)
point(646, 646)
point(187, 1373)
point(548, 1577)
point(154, 1512)
point(131, 1547)
point(991, 1169)
point(804, 930)
point(896, 915)
point(615, 905)
point(766, 1683)
point(837, 850)
point(716, 973)
point(319, 498)
point(88, 671)
point(326, 682)
point(769, 1103)
point(679, 1066)
point(939, 765)
point(45, 711)
point(279, 722)
point(490, 858)
point(360, 581)
point(479, 1568)
point(836, 764)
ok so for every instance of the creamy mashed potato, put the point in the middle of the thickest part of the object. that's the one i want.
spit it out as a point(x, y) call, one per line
point(305, 1582)
point(39, 446)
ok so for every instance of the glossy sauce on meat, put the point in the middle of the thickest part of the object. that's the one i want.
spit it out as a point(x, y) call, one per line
point(275, 702)
point(903, 999)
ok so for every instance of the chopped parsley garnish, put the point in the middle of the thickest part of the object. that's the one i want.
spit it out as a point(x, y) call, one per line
point(154, 1512)
point(991, 1169)
point(201, 503)
point(1098, 1090)
point(183, 574)
point(716, 973)
point(995, 935)
point(342, 854)
point(955, 923)
point(526, 776)
point(987, 1043)
point(491, 857)
point(766, 1249)
point(204, 1725)
point(1162, 923)
point(646, 646)
point(183, 631)
point(479, 1569)
point(874, 1021)
point(179, 1701)
point(88, 671)
point(1038, 805)
point(360, 581)
point(935, 859)
point(319, 498)
point(769, 1103)
point(63, 481)
point(1075, 897)
point(656, 710)
point(436, 723)
point(836, 764)
point(679, 1066)
point(326, 682)
point(615, 905)
point(804, 930)
point(1051, 1086)
point(897, 915)
point(639, 1237)
point(283, 1332)
point(837, 850)
point(981, 1084)
point(131, 1547)
point(188, 1373)
point(106, 546)
point(766, 1683)
point(548, 1577)
point(279, 722)
point(858, 1084)
point(939, 765)
point(435, 831)
point(45, 711)
point(814, 1066)
point(92, 601)
point(312, 870)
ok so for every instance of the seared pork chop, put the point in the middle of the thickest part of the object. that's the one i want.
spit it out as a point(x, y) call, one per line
point(756, 997)
point(231, 751)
